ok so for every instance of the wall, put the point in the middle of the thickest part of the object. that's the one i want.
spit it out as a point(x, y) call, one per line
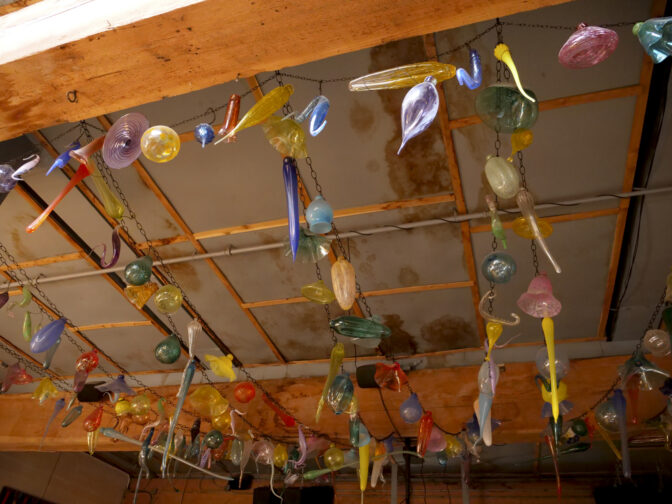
point(63, 478)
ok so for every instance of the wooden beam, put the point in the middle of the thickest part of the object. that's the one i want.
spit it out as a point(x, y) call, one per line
point(170, 208)
point(454, 169)
point(657, 10)
point(209, 43)
point(517, 404)
point(373, 293)
point(278, 223)
point(592, 214)
point(565, 101)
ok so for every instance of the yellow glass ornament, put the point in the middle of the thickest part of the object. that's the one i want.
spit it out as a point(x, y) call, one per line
point(208, 402)
point(122, 407)
point(520, 139)
point(221, 422)
point(318, 292)
point(222, 366)
point(502, 53)
point(494, 331)
point(45, 390)
point(262, 110)
point(280, 455)
point(140, 294)
point(168, 299)
point(522, 228)
point(286, 136)
point(343, 282)
point(160, 144)
point(403, 76)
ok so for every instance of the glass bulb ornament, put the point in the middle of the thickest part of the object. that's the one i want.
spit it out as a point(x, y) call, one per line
point(498, 267)
point(160, 144)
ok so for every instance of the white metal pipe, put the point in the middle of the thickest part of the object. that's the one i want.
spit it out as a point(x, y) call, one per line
point(452, 219)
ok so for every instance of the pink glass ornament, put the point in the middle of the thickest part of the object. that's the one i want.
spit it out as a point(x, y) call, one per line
point(588, 46)
point(539, 301)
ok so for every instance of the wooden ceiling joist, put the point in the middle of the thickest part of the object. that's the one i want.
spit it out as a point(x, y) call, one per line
point(208, 43)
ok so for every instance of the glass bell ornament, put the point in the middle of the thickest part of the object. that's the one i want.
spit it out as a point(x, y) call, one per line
point(498, 267)
point(319, 216)
point(168, 299)
point(587, 46)
point(160, 144)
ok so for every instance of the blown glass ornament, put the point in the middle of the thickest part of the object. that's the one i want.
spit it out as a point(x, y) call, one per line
point(655, 35)
point(140, 294)
point(160, 144)
point(139, 271)
point(319, 216)
point(403, 76)
point(502, 177)
point(122, 142)
point(286, 136)
point(498, 267)
point(168, 350)
point(503, 108)
point(418, 110)
point(318, 292)
point(168, 299)
point(588, 46)
point(343, 282)
point(204, 134)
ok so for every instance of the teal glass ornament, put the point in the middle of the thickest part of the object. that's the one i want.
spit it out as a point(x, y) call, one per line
point(655, 35)
point(168, 350)
point(504, 109)
point(498, 267)
point(319, 216)
point(138, 272)
point(204, 134)
point(411, 410)
point(213, 439)
point(357, 327)
point(340, 394)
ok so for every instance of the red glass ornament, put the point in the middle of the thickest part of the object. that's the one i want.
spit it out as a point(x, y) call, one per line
point(244, 392)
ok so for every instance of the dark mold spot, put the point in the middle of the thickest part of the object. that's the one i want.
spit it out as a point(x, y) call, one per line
point(449, 332)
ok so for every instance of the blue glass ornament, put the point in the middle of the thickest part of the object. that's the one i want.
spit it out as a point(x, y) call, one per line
point(204, 134)
point(411, 410)
point(340, 394)
point(292, 193)
point(319, 216)
point(498, 267)
point(474, 80)
point(418, 109)
point(47, 337)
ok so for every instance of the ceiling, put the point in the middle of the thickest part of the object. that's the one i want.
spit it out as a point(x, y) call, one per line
point(579, 151)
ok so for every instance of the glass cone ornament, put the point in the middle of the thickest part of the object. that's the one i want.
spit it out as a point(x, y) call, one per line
point(122, 142)
point(204, 134)
point(655, 35)
point(418, 110)
point(319, 216)
point(318, 292)
point(588, 46)
point(343, 283)
point(503, 108)
point(160, 144)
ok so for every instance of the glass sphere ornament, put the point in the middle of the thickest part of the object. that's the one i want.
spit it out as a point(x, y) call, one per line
point(138, 272)
point(657, 341)
point(204, 134)
point(544, 366)
point(411, 410)
point(503, 108)
point(587, 46)
point(168, 350)
point(498, 267)
point(168, 299)
point(319, 216)
point(160, 144)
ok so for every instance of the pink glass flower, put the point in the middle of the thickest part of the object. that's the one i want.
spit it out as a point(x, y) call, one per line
point(539, 301)
point(588, 46)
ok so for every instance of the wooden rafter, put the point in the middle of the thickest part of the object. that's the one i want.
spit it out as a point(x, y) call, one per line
point(454, 169)
point(657, 9)
point(172, 211)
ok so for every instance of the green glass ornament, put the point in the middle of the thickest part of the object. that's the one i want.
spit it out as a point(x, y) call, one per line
point(139, 271)
point(168, 350)
point(504, 109)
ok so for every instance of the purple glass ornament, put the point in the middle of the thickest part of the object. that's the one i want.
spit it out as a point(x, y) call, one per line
point(292, 192)
point(539, 301)
point(122, 142)
point(588, 46)
point(418, 109)
point(47, 337)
